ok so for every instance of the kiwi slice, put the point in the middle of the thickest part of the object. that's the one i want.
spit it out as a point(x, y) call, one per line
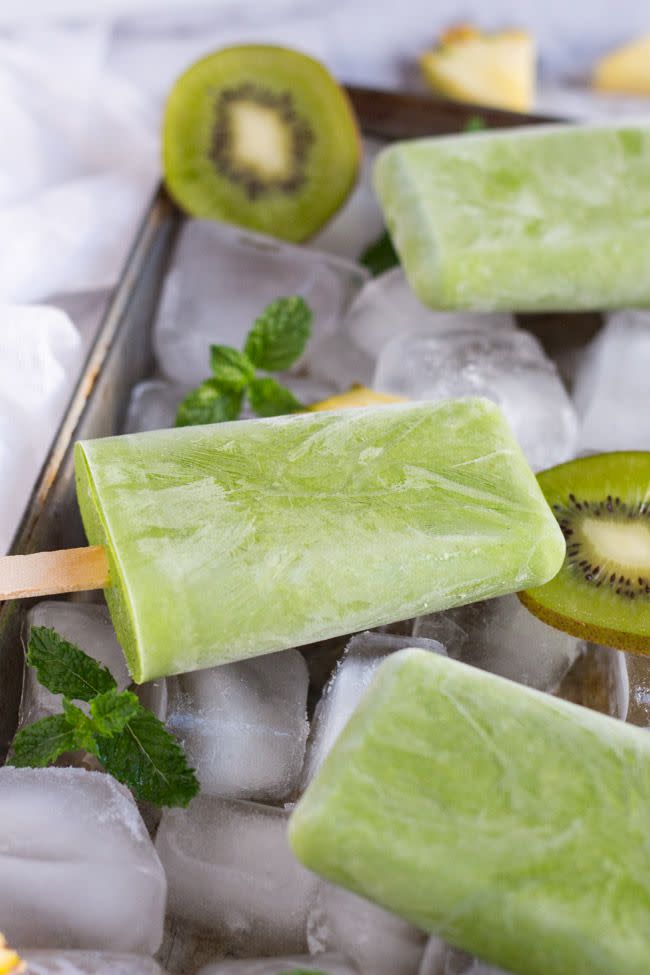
point(602, 591)
point(262, 137)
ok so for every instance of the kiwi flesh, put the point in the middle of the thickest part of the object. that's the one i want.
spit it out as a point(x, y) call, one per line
point(602, 591)
point(262, 137)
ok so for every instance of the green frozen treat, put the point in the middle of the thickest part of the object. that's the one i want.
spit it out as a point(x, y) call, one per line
point(553, 217)
point(509, 822)
point(238, 539)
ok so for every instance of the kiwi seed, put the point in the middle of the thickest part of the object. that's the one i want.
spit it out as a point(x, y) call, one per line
point(255, 176)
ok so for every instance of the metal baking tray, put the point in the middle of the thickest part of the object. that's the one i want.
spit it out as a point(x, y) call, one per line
point(122, 355)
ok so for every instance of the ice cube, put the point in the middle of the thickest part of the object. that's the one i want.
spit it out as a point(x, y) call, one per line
point(374, 939)
point(355, 670)
point(87, 963)
point(244, 725)
point(387, 307)
point(611, 387)
point(637, 667)
point(599, 680)
point(509, 367)
point(441, 959)
point(360, 222)
point(501, 636)
point(336, 360)
point(153, 405)
point(323, 965)
point(40, 356)
point(77, 867)
point(221, 278)
point(231, 872)
point(309, 389)
point(89, 627)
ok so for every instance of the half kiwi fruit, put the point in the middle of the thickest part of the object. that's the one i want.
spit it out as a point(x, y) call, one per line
point(262, 137)
point(602, 591)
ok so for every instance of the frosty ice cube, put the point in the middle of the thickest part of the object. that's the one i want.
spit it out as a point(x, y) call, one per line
point(231, 872)
point(40, 962)
point(611, 387)
point(355, 670)
point(89, 627)
point(244, 725)
point(508, 367)
point(387, 307)
point(221, 278)
point(322, 965)
point(77, 867)
point(501, 636)
point(374, 939)
point(441, 959)
point(360, 220)
point(153, 405)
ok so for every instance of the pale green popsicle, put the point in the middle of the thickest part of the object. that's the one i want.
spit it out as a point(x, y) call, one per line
point(512, 823)
point(527, 219)
point(238, 539)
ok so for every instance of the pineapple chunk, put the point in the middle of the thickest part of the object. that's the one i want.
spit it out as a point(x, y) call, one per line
point(626, 69)
point(355, 396)
point(10, 963)
point(489, 69)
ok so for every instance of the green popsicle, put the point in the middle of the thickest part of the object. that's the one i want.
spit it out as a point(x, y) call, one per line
point(237, 539)
point(512, 823)
point(528, 219)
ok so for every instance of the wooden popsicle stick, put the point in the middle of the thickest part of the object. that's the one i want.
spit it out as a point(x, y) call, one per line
point(50, 573)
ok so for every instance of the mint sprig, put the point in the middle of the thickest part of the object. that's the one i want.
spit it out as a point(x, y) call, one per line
point(380, 256)
point(303, 971)
point(211, 402)
point(130, 742)
point(64, 668)
point(279, 336)
point(270, 398)
point(275, 342)
point(475, 123)
point(41, 743)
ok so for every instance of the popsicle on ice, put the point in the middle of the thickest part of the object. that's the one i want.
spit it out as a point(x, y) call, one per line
point(237, 539)
point(537, 218)
point(511, 823)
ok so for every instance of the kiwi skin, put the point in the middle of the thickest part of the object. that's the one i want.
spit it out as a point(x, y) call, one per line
point(194, 179)
point(591, 633)
point(614, 487)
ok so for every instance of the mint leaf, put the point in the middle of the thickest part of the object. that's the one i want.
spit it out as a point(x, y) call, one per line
point(41, 743)
point(111, 712)
point(278, 337)
point(81, 726)
point(147, 759)
point(269, 398)
point(231, 368)
point(475, 123)
point(210, 402)
point(64, 668)
point(304, 971)
point(380, 256)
